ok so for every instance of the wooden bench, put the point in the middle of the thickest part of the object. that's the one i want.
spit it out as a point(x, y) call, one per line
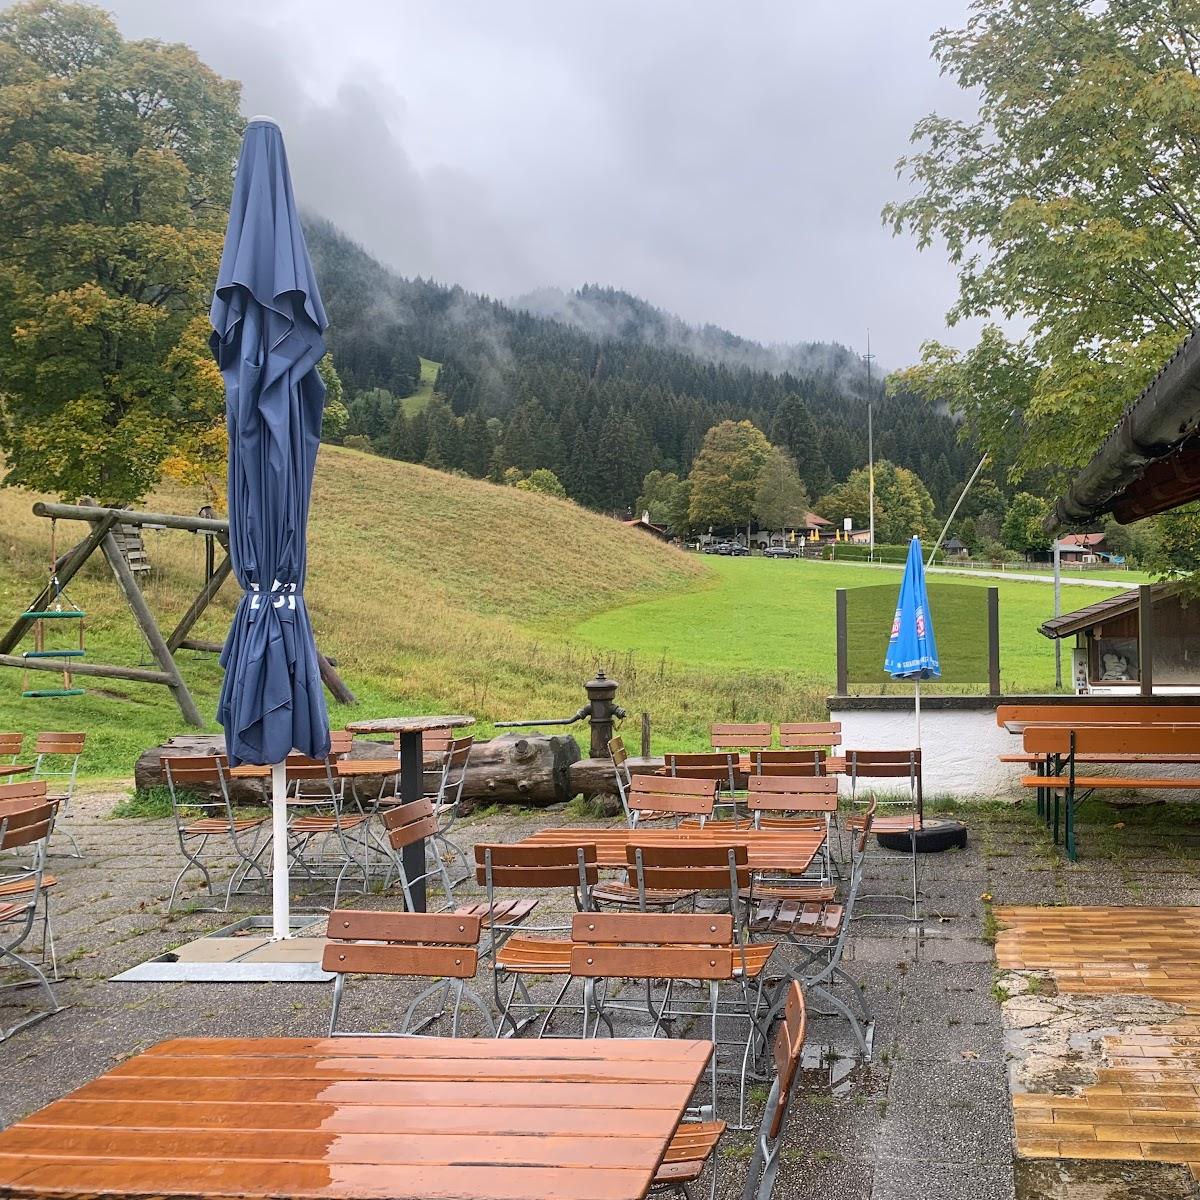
point(1058, 751)
point(1066, 716)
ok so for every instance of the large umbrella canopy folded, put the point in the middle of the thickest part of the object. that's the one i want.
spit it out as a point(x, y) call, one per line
point(912, 650)
point(267, 323)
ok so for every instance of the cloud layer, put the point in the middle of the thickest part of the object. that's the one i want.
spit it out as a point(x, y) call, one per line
point(728, 162)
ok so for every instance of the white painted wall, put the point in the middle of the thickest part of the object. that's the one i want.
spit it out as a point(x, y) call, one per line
point(959, 749)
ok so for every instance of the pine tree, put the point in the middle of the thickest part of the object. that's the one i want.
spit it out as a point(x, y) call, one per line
point(400, 438)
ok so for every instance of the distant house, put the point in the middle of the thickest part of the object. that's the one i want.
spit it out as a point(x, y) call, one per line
point(1110, 644)
point(955, 547)
point(648, 526)
point(814, 529)
point(1082, 548)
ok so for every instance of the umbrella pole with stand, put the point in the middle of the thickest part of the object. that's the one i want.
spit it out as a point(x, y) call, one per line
point(281, 919)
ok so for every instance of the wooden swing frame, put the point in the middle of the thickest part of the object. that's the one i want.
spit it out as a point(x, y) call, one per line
point(103, 522)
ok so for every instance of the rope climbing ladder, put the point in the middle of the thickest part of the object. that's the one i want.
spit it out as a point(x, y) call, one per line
point(58, 609)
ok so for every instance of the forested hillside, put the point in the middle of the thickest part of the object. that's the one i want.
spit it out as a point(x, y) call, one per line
point(613, 391)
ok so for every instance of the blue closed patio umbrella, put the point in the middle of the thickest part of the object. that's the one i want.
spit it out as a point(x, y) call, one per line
point(267, 323)
point(912, 649)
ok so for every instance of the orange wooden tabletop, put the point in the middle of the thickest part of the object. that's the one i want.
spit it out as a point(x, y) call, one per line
point(767, 849)
point(359, 1118)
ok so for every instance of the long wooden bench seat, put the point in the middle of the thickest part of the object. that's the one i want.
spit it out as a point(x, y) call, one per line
point(1068, 715)
point(1060, 749)
point(1135, 783)
point(1115, 759)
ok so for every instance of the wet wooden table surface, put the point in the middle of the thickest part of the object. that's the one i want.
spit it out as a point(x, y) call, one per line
point(766, 849)
point(360, 1118)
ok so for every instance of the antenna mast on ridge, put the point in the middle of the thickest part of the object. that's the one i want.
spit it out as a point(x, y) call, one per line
point(868, 358)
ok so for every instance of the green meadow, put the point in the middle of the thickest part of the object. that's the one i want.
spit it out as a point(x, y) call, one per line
point(755, 614)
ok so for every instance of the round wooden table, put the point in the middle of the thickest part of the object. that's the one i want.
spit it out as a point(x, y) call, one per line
point(412, 777)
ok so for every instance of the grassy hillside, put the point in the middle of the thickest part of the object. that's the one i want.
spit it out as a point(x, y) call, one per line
point(762, 615)
point(417, 401)
point(434, 593)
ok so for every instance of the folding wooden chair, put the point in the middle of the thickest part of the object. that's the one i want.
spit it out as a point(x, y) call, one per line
point(621, 772)
point(651, 947)
point(200, 803)
point(796, 734)
point(694, 1142)
point(326, 820)
point(531, 869)
point(891, 764)
point(10, 750)
point(17, 796)
point(26, 819)
point(820, 929)
point(811, 802)
point(724, 872)
point(57, 762)
point(446, 800)
point(752, 736)
point(661, 796)
point(405, 825)
point(439, 946)
point(808, 761)
point(721, 765)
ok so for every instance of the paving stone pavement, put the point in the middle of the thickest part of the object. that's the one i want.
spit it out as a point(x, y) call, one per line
point(929, 1116)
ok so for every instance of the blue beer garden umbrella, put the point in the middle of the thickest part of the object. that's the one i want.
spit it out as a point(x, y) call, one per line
point(912, 649)
point(267, 324)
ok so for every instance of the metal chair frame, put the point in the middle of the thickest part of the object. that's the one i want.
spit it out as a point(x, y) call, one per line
point(530, 868)
point(723, 870)
point(439, 946)
point(26, 820)
point(891, 764)
point(820, 970)
point(181, 773)
point(409, 823)
point(58, 756)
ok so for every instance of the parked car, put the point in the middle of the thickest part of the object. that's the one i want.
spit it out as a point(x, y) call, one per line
point(780, 552)
point(737, 550)
point(715, 548)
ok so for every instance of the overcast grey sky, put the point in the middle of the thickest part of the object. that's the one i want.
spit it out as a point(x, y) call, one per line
point(726, 160)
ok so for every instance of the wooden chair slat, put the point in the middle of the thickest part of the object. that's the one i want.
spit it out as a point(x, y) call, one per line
point(449, 962)
point(658, 962)
point(459, 929)
point(689, 929)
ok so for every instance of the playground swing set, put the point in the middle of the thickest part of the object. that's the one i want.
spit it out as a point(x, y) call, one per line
point(52, 607)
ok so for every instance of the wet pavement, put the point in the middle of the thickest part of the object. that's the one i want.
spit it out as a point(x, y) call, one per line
point(929, 1116)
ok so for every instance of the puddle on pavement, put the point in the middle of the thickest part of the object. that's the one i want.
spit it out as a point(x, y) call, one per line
point(1074, 1179)
point(831, 1068)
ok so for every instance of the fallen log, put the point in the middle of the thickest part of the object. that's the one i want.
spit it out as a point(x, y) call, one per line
point(513, 769)
point(521, 769)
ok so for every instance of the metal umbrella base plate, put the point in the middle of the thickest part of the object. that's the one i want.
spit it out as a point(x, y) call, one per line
point(243, 952)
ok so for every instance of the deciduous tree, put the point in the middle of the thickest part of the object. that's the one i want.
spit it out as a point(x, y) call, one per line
point(115, 172)
point(781, 501)
point(725, 474)
point(1071, 203)
point(903, 505)
point(1022, 528)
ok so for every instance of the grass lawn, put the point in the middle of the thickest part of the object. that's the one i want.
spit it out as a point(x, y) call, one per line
point(778, 615)
point(433, 593)
point(417, 401)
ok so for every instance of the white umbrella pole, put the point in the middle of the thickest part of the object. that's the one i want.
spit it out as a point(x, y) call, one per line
point(917, 685)
point(280, 891)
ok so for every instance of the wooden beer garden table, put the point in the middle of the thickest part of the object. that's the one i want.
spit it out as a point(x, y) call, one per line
point(363, 1119)
point(412, 778)
point(767, 849)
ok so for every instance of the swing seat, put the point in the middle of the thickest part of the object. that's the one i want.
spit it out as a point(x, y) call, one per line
point(46, 693)
point(53, 614)
point(55, 654)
